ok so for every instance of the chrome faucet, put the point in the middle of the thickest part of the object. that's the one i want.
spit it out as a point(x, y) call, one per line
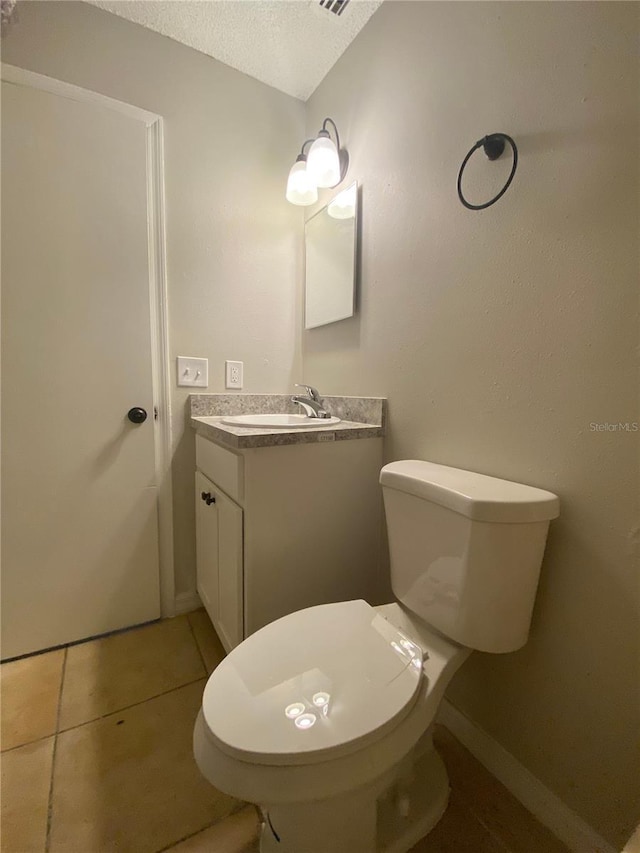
point(311, 404)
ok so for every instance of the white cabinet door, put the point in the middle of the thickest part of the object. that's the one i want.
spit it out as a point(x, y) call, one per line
point(207, 546)
point(219, 560)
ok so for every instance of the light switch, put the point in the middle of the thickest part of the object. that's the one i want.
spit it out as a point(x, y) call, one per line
point(193, 371)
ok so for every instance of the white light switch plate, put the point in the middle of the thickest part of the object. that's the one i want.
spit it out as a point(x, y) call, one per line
point(233, 374)
point(193, 371)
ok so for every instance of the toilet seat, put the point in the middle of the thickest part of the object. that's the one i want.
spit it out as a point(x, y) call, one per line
point(312, 686)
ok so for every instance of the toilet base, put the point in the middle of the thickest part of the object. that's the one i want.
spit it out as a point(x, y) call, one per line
point(425, 802)
point(388, 817)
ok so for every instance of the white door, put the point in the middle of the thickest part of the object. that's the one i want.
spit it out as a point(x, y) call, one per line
point(79, 497)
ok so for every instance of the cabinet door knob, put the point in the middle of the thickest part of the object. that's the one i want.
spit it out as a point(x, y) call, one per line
point(208, 498)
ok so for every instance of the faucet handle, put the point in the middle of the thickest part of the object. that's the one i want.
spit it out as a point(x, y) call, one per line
point(311, 391)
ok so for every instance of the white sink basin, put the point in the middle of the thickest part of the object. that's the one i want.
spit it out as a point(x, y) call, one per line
point(282, 421)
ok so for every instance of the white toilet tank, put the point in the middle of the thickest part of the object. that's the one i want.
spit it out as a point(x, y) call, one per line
point(466, 550)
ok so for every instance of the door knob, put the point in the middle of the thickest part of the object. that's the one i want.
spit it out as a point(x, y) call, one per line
point(137, 415)
point(208, 498)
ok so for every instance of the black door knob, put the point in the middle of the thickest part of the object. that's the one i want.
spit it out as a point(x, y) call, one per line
point(137, 415)
point(208, 498)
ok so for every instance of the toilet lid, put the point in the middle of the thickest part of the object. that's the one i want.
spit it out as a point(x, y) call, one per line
point(313, 685)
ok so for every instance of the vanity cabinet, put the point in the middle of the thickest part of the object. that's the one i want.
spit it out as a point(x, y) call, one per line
point(281, 528)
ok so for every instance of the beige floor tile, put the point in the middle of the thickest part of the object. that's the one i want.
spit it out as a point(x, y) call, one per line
point(24, 792)
point(105, 675)
point(29, 690)
point(633, 844)
point(491, 803)
point(237, 833)
point(129, 782)
point(210, 646)
point(458, 832)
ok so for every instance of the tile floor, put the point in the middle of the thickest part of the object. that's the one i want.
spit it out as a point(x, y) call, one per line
point(96, 757)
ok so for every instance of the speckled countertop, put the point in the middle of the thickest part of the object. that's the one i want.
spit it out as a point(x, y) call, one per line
point(360, 417)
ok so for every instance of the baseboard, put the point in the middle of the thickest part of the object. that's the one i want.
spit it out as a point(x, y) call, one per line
point(534, 796)
point(187, 601)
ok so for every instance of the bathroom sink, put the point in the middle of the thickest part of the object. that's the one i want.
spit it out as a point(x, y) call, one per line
point(282, 421)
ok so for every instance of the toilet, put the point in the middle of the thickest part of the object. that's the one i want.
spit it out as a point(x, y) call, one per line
point(323, 718)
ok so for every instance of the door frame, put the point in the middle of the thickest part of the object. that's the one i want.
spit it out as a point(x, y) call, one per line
point(158, 302)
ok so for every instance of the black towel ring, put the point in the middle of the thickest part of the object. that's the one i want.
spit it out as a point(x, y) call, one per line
point(493, 145)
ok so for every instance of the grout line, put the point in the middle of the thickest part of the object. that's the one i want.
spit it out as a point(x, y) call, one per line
point(58, 730)
point(468, 759)
point(195, 639)
point(187, 837)
point(53, 756)
point(62, 680)
point(241, 805)
point(28, 743)
point(133, 705)
point(234, 811)
point(92, 638)
point(497, 840)
point(478, 817)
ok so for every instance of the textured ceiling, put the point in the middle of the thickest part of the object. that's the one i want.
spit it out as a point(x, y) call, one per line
point(288, 44)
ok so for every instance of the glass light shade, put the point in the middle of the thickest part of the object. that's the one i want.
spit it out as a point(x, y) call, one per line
point(300, 187)
point(323, 162)
point(343, 206)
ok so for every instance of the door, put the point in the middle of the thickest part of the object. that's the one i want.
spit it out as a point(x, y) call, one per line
point(219, 560)
point(79, 502)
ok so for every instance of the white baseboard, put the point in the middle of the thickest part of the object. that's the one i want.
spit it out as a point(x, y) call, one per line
point(534, 796)
point(187, 601)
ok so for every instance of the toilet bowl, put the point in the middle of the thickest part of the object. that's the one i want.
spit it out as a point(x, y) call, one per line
point(369, 682)
point(324, 717)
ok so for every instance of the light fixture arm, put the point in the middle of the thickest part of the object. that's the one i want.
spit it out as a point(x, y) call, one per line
point(302, 155)
point(335, 130)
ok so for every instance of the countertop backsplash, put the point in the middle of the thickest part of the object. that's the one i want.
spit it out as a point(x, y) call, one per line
point(363, 410)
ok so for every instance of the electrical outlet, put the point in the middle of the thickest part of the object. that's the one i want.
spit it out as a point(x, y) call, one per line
point(193, 371)
point(233, 374)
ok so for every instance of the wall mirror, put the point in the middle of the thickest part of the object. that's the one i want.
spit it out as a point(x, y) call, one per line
point(330, 238)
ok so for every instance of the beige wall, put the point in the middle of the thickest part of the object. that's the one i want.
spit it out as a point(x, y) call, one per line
point(497, 336)
point(500, 336)
point(233, 242)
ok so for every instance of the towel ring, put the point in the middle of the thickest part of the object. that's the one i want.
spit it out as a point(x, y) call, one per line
point(494, 145)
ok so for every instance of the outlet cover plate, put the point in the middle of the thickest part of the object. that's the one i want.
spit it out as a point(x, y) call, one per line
point(193, 372)
point(233, 374)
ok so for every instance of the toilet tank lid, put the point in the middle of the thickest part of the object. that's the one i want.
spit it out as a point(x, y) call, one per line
point(475, 496)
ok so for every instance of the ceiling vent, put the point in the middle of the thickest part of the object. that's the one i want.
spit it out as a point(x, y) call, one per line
point(336, 7)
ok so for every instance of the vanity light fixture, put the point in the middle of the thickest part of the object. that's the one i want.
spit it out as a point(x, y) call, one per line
point(324, 166)
point(301, 189)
